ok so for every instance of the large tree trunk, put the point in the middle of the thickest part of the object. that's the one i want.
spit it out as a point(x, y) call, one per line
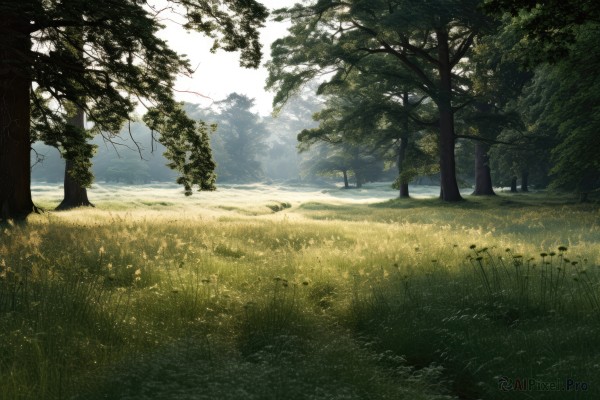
point(403, 147)
point(346, 184)
point(450, 191)
point(525, 181)
point(401, 161)
point(15, 140)
point(359, 179)
point(513, 184)
point(483, 177)
point(75, 195)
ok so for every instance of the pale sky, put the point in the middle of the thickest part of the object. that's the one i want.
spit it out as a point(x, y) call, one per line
point(219, 74)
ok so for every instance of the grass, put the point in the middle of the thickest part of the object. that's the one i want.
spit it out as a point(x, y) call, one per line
point(403, 299)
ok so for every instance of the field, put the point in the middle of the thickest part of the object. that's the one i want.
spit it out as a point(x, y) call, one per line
point(258, 292)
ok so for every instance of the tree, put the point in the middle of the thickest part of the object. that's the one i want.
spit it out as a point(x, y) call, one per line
point(78, 164)
point(75, 192)
point(497, 82)
point(124, 63)
point(558, 39)
point(428, 39)
point(376, 113)
point(331, 159)
point(283, 161)
point(562, 104)
point(239, 140)
point(547, 28)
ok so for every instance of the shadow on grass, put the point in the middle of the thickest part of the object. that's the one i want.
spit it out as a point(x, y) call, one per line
point(502, 200)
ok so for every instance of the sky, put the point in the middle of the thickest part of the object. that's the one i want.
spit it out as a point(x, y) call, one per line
point(217, 75)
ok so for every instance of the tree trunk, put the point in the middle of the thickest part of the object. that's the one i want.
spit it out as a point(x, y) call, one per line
point(483, 177)
point(403, 147)
point(525, 181)
point(346, 184)
point(401, 161)
point(359, 179)
point(513, 185)
point(450, 191)
point(15, 140)
point(75, 195)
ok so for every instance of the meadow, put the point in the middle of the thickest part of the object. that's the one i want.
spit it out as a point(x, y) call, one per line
point(256, 293)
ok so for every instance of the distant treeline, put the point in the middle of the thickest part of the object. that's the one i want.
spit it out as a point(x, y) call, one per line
point(245, 146)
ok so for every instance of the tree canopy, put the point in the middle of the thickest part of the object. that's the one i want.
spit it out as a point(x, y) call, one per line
point(515, 76)
point(106, 58)
point(428, 41)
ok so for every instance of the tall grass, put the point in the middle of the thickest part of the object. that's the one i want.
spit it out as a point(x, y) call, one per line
point(395, 300)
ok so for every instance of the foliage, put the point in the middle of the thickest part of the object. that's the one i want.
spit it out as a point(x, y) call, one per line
point(106, 58)
point(382, 115)
point(327, 35)
point(428, 44)
point(547, 29)
point(561, 105)
point(342, 158)
point(188, 147)
point(283, 159)
point(239, 139)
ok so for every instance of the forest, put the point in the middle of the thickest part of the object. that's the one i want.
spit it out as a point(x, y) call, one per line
point(418, 216)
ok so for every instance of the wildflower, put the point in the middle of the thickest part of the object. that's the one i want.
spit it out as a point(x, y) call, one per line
point(562, 248)
point(543, 254)
point(472, 246)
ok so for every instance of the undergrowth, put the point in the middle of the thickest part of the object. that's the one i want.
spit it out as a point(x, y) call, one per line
point(317, 302)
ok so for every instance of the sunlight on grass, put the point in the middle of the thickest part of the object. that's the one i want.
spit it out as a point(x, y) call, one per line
point(299, 299)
